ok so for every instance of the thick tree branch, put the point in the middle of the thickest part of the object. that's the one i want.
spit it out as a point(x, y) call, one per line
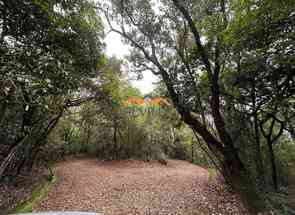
point(214, 145)
point(196, 34)
point(213, 76)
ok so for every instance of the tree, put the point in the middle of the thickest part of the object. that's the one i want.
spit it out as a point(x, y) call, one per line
point(160, 48)
point(48, 51)
point(265, 70)
point(186, 44)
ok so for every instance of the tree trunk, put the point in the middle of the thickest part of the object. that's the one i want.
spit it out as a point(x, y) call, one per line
point(11, 156)
point(115, 149)
point(232, 165)
point(3, 109)
point(258, 161)
point(270, 142)
point(193, 152)
point(258, 158)
point(273, 164)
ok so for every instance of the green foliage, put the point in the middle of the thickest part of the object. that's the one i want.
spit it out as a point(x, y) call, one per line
point(59, 48)
point(286, 161)
point(113, 129)
point(49, 50)
point(228, 67)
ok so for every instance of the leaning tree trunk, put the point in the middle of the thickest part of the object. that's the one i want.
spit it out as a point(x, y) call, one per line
point(12, 156)
point(222, 146)
point(32, 140)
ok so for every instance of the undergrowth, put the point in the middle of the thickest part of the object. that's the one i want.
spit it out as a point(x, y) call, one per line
point(36, 196)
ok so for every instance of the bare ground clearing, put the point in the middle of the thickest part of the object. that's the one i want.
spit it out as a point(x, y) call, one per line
point(136, 187)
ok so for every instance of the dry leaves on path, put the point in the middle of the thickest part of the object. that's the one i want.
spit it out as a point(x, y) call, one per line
point(136, 187)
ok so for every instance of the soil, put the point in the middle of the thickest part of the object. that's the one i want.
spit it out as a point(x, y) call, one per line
point(137, 187)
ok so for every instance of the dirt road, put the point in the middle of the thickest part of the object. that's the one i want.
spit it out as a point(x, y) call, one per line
point(136, 187)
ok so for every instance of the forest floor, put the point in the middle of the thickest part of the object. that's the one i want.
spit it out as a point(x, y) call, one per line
point(12, 193)
point(137, 187)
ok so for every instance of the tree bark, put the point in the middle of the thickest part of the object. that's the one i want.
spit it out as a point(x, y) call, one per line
point(258, 158)
point(11, 156)
point(270, 142)
point(273, 164)
point(232, 164)
point(115, 148)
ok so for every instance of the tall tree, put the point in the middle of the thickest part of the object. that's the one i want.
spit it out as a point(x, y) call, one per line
point(162, 42)
point(49, 49)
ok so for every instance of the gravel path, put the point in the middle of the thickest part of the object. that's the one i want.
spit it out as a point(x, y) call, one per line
point(135, 187)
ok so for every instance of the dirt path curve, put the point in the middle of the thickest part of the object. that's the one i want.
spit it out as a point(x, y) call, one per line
point(135, 187)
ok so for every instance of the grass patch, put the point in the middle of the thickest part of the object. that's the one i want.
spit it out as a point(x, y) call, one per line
point(28, 205)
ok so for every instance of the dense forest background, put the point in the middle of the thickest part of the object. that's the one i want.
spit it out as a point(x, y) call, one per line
point(225, 99)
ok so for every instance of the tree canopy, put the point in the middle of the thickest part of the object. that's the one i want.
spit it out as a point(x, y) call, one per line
point(225, 99)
